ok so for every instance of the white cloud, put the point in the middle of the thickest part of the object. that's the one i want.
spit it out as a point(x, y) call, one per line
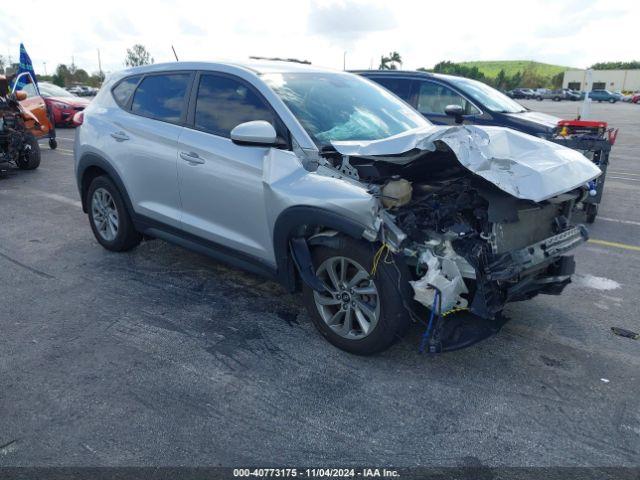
point(575, 34)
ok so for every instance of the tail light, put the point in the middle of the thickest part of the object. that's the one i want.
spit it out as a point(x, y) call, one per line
point(78, 118)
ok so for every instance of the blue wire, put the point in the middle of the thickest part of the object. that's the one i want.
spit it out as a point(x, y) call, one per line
point(427, 333)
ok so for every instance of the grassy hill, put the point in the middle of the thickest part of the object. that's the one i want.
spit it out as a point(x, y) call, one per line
point(510, 67)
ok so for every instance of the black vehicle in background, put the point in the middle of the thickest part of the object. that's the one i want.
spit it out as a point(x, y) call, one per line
point(524, 93)
point(475, 102)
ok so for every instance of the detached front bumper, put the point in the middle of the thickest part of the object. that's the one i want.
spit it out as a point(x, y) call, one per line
point(541, 268)
point(518, 262)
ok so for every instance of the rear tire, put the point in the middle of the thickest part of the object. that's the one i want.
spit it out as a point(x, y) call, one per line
point(30, 159)
point(372, 306)
point(109, 217)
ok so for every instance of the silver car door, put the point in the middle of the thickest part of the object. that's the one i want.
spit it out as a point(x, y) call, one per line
point(221, 182)
point(143, 141)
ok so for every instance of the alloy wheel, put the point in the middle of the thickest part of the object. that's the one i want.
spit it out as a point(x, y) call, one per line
point(105, 214)
point(350, 306)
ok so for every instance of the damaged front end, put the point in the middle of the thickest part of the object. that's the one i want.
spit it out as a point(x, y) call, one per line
point(481, 217)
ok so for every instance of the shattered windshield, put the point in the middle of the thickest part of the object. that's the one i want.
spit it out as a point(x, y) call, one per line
point(341, 106)
point(488, 96)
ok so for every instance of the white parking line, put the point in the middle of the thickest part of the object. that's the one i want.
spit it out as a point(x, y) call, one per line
point(56, 197)
point(624, 173)
point(626, 222)
point(625, 178)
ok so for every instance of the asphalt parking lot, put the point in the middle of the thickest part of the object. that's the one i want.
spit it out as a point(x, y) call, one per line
point(161, 356)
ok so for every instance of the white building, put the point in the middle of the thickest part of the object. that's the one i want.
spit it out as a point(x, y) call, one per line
point(614, 80)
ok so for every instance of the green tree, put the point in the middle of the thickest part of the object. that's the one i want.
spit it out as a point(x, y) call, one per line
point(391, 62)
point(501, 80)
point(557, 79)
point(62, 75)
point(634, 65)
point(138, 55)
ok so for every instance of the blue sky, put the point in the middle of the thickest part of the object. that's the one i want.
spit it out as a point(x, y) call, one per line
point(573, 33)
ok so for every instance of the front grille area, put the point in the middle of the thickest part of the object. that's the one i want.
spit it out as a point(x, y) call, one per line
point(534, 224)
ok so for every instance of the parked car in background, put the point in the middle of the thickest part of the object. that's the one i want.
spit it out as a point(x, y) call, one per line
point(557, 94)
point(572, 95)
point(432, 93)
point(351, 193)
point(624, 97)
point(74, 89)
point(62, 105)
point(86, 91)
point(524, 93)
point(603, 96)
point(635, 98)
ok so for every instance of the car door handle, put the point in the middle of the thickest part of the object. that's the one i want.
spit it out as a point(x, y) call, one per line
point(120, 136)
point(191, 157)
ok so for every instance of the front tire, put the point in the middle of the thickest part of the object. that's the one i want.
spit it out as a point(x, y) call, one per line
point(360, 313)
point(109, 218)
point(30, 158)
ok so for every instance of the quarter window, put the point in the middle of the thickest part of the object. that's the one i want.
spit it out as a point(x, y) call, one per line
point(122, 92)
point(434, 98)
point(162, 96)
point(224, 103)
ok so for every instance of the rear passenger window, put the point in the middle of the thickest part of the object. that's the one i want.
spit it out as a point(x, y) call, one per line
point(223, 103)
point(400, 86)
point(162, 96)
point(122, 92)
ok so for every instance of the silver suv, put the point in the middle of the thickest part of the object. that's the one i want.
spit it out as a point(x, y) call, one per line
point(329, 183)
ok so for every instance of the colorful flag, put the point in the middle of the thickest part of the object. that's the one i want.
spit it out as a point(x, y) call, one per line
point(25, 66)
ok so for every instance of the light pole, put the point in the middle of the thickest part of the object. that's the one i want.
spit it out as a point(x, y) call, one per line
point(344, 60)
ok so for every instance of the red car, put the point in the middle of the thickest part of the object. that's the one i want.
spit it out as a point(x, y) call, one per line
point(635, 98)
point(62, 105)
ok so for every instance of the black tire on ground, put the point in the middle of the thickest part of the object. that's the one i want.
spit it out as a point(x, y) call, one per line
point(394, 319)
point(612, 100)
point(127, 237)
point(30, 160)
point(591, 210)
point(539, 99)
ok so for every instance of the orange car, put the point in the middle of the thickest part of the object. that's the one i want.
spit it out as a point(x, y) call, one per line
point(33, 103)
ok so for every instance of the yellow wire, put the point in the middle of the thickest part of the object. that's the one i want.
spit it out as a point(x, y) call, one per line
point(454, 310)
point(376, 258)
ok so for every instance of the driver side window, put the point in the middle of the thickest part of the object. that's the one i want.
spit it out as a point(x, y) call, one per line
point(434, 98)
point(223, 103)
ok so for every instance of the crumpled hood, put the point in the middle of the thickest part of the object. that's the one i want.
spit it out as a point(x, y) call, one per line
point(522, 165)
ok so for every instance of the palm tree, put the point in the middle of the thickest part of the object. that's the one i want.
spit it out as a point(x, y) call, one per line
point(390, 62)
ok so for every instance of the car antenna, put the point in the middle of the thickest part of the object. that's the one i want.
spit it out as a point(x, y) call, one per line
point(174, 53)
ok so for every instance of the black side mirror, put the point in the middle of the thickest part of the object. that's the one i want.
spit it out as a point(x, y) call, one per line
point(455, 111)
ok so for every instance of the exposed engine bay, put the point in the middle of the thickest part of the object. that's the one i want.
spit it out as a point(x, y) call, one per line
point(459, 224)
